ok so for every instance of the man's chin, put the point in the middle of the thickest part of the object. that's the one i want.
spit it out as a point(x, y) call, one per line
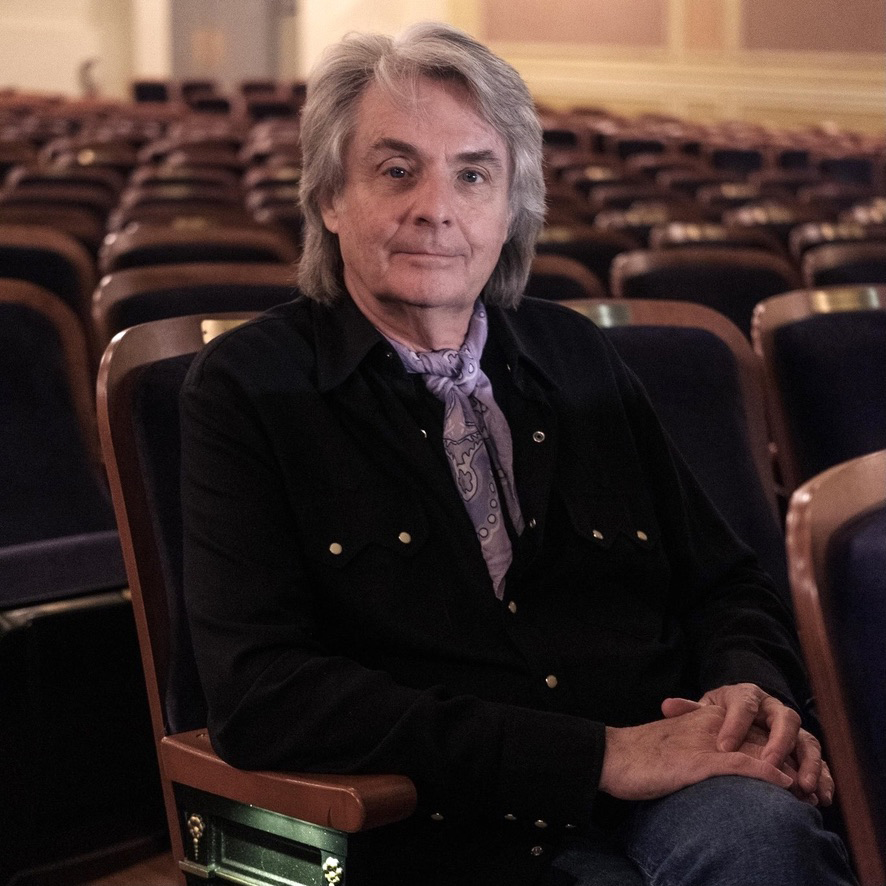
point(431, 298)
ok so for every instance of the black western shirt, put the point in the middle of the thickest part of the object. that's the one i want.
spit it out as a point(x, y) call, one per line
point(341, 610)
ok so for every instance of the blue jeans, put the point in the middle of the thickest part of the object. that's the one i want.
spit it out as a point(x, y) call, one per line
point(725, 831)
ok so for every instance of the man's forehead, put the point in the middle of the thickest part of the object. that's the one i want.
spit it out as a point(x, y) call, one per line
point(395, 119)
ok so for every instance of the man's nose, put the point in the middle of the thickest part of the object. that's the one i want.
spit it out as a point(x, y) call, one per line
point(433, 200)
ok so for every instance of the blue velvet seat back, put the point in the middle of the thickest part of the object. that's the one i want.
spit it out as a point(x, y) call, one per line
point(849, 273)
point(166, 253)
point(143, 307)
point(156, 417)
point(731, 290)
point(856, 565)
point(595, 255)
point(46, 268)
point(691, 377)
point(554, 287)
point(48, 486)
point(831, 371)
point(852, 170)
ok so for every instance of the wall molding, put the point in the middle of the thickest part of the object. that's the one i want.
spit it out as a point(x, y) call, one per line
point(778, 88)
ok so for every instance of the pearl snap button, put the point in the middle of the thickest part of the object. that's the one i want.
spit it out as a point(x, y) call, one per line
point(335, 548)
point(642, 535)
point(510, 817)
point(539, 436)
point(597, 534)
point(551, 681)
point(512, 607)
point(541, 824)
point(405, 537)
point(436, 816)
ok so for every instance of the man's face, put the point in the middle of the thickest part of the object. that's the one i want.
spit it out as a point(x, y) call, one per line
point(423, 214)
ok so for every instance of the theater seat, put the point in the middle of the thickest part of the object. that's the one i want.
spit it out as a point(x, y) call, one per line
point(154, 292)
point(155, 244)
point(712, 234)
point(51, 259)
point(225, 823)
point(558, 277)
point(836, 542)
point(837, 264)
point(730, 280)
point(824, 356)
point(706, 386)
point(80, 787)
point(594, 247)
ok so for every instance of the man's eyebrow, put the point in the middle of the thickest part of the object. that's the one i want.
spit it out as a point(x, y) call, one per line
point(394, 144)
point(483, 156)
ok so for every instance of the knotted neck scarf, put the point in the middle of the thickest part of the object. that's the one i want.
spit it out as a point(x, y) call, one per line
point(476, 438)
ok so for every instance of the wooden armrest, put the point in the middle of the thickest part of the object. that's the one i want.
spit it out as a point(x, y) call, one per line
point(346, 803)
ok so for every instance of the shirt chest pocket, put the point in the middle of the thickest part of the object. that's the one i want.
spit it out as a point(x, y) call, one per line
point(617, 553)
point(363, 526)
point(610, 522)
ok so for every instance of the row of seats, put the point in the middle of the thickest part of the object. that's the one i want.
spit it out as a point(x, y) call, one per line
point(806, 251)
point(254, 99)
point(652, 143)
point(605, 164)
point(137, 190)
point(175, 182)
point(736, 283)
point(729, 278)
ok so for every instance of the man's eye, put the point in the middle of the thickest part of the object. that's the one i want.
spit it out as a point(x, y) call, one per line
point(471, 176)
point(396, 172)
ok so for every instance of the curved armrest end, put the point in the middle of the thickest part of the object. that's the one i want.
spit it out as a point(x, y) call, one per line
point(348, 803)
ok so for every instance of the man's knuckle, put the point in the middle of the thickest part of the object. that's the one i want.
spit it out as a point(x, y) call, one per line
point(809, 740)
point(750, 703)
point(793, 717)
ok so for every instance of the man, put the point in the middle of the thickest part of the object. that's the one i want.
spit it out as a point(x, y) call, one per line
point(431, 530)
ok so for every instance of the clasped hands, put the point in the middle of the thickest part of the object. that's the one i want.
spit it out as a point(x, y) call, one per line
point(734, 730)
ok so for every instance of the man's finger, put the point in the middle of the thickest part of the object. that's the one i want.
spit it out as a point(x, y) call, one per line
point(811, 766)
point(743, 764)
point(676, 707)
point(783, 724)
point(742, 709)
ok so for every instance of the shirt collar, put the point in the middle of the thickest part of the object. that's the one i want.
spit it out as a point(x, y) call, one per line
point(520, 349)
point(344, 337)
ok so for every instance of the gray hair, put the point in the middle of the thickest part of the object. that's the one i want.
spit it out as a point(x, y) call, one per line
point(438, 52)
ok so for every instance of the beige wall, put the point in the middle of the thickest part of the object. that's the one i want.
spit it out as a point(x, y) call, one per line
point(591, 22)
point(43, 44)
point(151, 39)
point(782, 62)
point(326, 21)
point(850, 26)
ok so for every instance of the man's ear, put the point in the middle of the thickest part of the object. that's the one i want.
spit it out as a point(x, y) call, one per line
point(329, 211)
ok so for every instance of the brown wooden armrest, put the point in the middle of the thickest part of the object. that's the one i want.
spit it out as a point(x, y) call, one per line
point(346, 803)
